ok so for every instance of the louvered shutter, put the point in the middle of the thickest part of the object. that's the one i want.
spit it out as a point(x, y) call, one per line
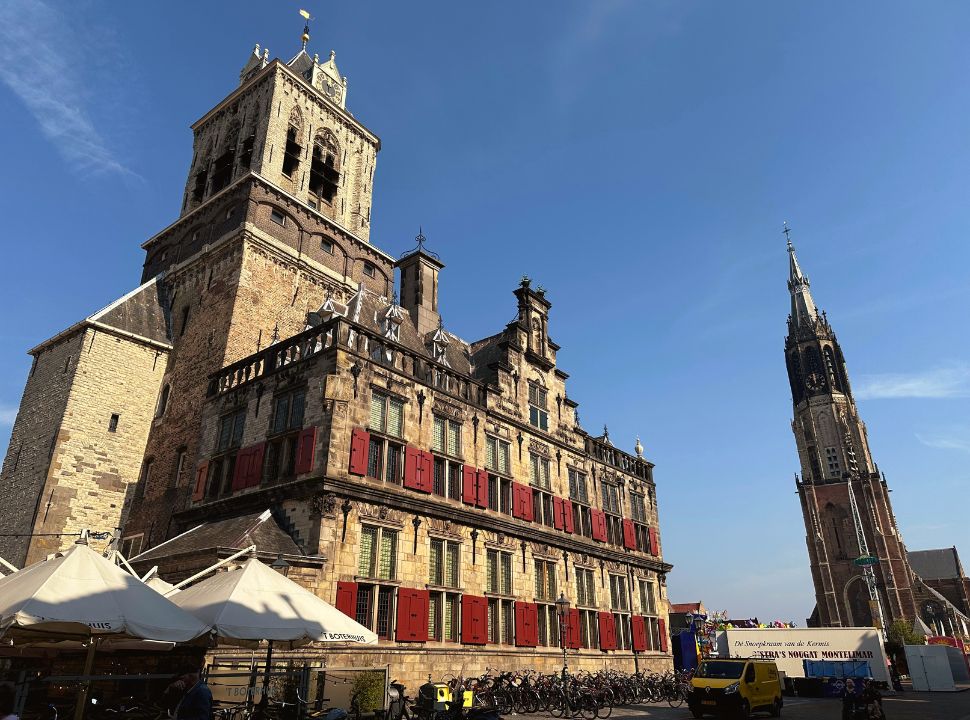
point(469, 479)
point(306, 447)
point(347, 598)
point(412, 615)
point(201, 474)
point(426, 474)
point(526, 624)
point(412, 468)
point(607, 631)
point(629, 535)
point(359, 444)
point(574, 638)
point(481, 499)
point(567, 506)
point(598, 518)
point(254, 475)
point(639, 632)
point(654, 544)
point(662, 625)
point(517, 508)
point(241, 470)
point(557, 512)
point(474, 620)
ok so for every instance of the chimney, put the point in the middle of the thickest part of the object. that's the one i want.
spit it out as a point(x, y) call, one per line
point(419, 287)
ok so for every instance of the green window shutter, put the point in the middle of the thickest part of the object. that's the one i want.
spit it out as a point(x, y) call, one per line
point(377, 402)
point(368, 537)
point(438, 434)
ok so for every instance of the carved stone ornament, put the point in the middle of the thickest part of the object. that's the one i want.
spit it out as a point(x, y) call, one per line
point(614, 566)
point(324, 505)
point(544, 551)
point(539, 448)
point(500, 539)
point(380, 512)
point(447, 409)
point(437, 526)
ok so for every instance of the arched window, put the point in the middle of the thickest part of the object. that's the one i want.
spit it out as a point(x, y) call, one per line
point(324, 167)
point(163, 401)
point(833, 369)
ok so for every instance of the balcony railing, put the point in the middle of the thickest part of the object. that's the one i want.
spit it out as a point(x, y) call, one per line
point(604, 452)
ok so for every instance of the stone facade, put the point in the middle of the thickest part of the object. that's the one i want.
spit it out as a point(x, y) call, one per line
point(79, 437)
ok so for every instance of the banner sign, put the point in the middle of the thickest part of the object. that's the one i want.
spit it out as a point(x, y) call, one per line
point(788, 647)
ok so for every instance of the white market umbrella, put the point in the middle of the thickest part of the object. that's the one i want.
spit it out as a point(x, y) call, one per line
point(80, 595)
point(254, 603)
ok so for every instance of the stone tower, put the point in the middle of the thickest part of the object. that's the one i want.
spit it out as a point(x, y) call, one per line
point(275, 218)
point(859, 566)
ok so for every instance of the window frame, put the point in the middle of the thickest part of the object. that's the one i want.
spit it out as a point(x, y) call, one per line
point(380, 532)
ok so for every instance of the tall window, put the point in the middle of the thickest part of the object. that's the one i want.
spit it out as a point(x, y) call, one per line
point(181, 460)
point(498, 572)
point(638, 510)
point(443, 566)
point(543, 508)
point(446, 436)
point(288, 410)
point(620, 605)
point(499, 494)
point(501, 626)
point(538, 406)
point(832, 459)
point(386, 414)
point(324, 176)
point(223, 465)
point(579, 495)
point(611, 505)
point(447, 478)
point(548, 621)
point(374, 608)
point(292, 152)
point(585, 587)
point(497, 453)
point(378, 553)
point(648, 606)
point(539, 471)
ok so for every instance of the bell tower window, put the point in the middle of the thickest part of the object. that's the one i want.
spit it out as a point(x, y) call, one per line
point(291, 155)
point(198, 192)
point(246, 157)
point(324, 176)
point(832, 460)
point(222, 170)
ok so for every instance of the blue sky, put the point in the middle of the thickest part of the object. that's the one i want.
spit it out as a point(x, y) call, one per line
point(635, 158)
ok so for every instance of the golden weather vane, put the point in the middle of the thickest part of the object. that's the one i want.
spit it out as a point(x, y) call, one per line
point(306, 27)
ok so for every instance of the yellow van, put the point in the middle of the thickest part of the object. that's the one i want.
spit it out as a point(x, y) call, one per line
point(735, 686)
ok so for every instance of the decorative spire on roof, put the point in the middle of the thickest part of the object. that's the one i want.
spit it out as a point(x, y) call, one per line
point(439, 343)
point(638, 448)
point(305, 38)
point(802, 304)
point(420, 248)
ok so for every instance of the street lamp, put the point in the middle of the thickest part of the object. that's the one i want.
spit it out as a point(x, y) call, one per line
point(280, 565)
point(562, 610)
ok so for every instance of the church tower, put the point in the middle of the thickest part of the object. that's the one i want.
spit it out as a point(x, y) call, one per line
point(859, 566)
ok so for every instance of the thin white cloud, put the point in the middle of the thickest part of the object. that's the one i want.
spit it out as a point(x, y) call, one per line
point(7, 415)
point(952, 439)
point(944, 382)
point(41, 61)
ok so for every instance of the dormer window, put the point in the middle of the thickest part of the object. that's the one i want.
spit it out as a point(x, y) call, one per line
point(538, 414)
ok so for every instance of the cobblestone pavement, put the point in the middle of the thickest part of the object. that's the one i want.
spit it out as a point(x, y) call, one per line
point(904, 706)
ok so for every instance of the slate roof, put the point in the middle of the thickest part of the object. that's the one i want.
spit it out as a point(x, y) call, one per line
point(268, 537)
point(942, 564)
point(143, 312)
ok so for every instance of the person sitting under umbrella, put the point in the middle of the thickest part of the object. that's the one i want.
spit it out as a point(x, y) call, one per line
point(196, 697)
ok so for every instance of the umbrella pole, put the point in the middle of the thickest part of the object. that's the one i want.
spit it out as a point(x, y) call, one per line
point(264, 698)
point(82, 696)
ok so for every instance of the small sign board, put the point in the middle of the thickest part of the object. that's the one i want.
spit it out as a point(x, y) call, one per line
point(866, 560)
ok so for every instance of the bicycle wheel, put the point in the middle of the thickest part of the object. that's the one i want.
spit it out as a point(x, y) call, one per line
point(587, 707)
point(675, 697)
point(558, 705)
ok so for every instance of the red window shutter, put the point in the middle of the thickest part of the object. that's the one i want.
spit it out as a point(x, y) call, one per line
point(412, 615)
point(607, 631)
point(359, 446)
point(526, 624)
point(598, 518)
point(412, 467)
point(557, 513)
point(662, 627)
point(255, 474)
point(201, 474)
point(518, 510)
point(629, 535)
point(481, 498)
point(469, 479)
point(474, 620)
point(347, 598)
point(306, 447)
point(426, 474)
point(567, 511)
point(573, 637)
point(639, 633)
point(240, 472)
point(528, 509)
point(654, 544)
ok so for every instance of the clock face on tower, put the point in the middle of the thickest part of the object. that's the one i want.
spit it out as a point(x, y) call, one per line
point(815, 381)
point(332, 90)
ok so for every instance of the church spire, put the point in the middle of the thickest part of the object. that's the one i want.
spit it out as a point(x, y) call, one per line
point(802, 305)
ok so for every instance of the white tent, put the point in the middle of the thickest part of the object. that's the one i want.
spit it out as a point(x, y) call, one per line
point(80, 595)
point(254, 603)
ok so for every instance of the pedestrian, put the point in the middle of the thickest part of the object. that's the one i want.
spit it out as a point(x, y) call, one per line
point(196, 697)
point(6, 701)
point(848, 700)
